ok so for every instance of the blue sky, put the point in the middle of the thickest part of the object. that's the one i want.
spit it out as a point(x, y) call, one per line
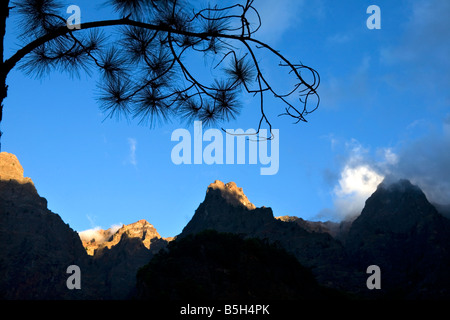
point(385, 110)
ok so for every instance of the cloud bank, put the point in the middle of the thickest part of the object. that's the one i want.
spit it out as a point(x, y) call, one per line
point(418, 63)
point(425, 161)
point(98, 234)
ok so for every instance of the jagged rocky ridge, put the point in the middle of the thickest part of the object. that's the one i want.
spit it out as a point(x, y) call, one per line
point(36, 247)
point(398, 229)
point(97, 242)
point(316, 250)
point(402, 233)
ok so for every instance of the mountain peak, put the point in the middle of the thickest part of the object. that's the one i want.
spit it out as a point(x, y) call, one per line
point(11, 169)
point(97, 238)
point(396, 206)
point(231, 193)
point(13, 185)
point(140, 229)
point(396, 194)
point(227, 209)
point(398, 185)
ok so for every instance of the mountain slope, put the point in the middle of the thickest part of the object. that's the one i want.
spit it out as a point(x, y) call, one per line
point(118, 259)
point(95, 241)
point(216, 266)
point(226, 209)
point(36, 245)
point(402, 233)
point(398, 230)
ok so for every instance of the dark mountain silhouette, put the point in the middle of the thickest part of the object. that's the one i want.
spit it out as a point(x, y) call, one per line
point(36, 247)
point(402, 233)
point(398, 230)
point(443, 209)
point(337, 230)
point(226, 209)
point(116, 261)
point(217, 266)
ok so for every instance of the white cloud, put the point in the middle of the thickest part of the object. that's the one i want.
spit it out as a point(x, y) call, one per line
point(354, 187)
point(132, 153)
point(390, 156)
point(98, 234)
point(89, 234)
point(358, 178)
point(424, 160)
point(360, 181)
point(277, 17)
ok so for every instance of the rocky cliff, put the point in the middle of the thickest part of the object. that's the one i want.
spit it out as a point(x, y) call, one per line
point(398, 230)
point(96, 241)
point(117, 259)
point(337, 230)
point(226, 209)
point(402, 233)
point(36, 247)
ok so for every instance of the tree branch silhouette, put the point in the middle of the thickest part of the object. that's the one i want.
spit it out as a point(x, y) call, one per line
point(144, 72)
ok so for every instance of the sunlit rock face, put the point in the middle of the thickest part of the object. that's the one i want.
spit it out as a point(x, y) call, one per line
point(94, 240)
point(227, 209)
point(36, 246)
point(231, 193)
point(14, 186)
